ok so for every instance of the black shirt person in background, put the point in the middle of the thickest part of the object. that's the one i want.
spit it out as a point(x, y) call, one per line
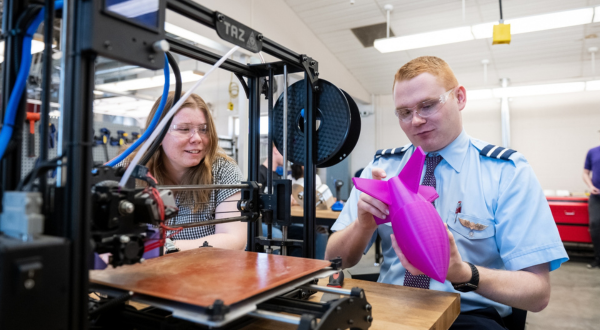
point(277, 168)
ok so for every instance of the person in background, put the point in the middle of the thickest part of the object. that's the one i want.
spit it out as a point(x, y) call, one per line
point(277, 167)
point(190, 155)
point(297, 177)
point(502, 236)
point(591, 177)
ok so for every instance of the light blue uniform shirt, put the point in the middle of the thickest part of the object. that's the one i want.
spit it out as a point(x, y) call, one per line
point(502, 194)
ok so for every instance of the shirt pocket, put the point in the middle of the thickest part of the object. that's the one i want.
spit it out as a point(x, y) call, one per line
point(472, 228)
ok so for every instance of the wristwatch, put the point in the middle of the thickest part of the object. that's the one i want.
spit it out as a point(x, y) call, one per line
point(473, 283)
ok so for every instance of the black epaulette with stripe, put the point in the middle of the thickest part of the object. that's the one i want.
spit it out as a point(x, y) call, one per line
point(497, 152)
point(389, 152)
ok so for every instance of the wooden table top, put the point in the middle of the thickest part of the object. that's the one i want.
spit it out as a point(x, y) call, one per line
point(298, 211)
point(394, 307)
point(200, 276)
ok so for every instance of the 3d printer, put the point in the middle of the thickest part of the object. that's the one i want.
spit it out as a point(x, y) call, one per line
point(44, 269)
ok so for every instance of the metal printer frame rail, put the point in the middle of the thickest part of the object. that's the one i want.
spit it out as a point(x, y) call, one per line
point(293, 62)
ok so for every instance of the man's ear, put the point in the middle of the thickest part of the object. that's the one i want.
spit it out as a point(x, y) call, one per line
point(461, 97)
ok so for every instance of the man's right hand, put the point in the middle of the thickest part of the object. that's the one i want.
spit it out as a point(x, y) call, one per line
point(369, 206)
point(594, 191)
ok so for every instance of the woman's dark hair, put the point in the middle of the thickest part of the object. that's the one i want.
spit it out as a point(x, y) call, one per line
point(297, 171)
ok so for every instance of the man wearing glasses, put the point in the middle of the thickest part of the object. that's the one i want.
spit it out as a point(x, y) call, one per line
point(503, 239)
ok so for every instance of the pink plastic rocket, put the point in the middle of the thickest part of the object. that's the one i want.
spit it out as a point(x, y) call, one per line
point(419, 230)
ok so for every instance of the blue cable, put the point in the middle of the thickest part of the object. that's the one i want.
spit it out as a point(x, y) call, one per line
point(153, 123)
point(21, 82)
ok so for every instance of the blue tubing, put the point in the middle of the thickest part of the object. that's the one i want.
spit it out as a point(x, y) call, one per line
point(21, 82)
point(153, 123)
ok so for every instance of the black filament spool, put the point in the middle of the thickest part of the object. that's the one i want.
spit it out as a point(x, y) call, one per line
point(338, 124)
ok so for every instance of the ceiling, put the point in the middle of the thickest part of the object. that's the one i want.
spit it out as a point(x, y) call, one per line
point(531, 58)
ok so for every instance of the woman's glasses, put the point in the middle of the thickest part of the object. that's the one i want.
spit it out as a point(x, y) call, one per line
point(187, 130)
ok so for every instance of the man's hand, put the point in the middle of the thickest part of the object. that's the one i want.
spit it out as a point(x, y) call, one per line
point(594, 191)
point(458, 271)
point(369, 206)
point(350, 243)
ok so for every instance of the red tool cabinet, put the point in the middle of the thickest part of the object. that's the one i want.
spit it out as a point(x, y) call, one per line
point(572, 218)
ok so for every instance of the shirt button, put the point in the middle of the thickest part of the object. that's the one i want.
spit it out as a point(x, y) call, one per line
point(471, 233)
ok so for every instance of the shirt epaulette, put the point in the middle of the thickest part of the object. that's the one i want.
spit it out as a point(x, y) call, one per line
point(389, 152)
point(497, 152)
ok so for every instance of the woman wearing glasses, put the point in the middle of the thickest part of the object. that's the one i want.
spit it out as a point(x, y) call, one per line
point(190, 155)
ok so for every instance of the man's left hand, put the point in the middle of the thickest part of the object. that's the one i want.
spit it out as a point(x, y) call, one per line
point(458, 271)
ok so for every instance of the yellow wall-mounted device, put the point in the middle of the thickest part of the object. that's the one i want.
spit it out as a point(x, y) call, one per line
point(501, 34)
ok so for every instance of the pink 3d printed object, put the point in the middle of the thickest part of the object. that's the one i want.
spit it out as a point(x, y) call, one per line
point(418, 228)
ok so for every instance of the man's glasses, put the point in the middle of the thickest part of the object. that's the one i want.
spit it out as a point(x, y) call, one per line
point(423, 109)
point(187, 130)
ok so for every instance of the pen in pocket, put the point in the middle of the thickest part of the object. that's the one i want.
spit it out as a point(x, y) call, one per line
point(458, 210)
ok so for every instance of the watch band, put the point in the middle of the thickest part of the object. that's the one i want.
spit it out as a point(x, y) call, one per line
point(473, 283)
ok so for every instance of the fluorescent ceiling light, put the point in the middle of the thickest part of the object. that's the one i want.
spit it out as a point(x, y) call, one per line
point(421, 40)
point(533, 90)
point(148, 82)
point(597, 14)
point(481, 31)
point(485, 30)
point(36, 47)
point(538, 23)
point(593, 85)
point(135, 8)
point(479, 94)
point(193, 37)
point(551, 21)
point(123, 106)
point(540, 89)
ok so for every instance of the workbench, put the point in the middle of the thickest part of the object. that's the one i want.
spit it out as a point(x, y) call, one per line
point(394, 307)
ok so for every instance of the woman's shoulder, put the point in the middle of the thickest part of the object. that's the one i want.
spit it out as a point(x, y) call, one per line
point(226, 167)
point(223, 161)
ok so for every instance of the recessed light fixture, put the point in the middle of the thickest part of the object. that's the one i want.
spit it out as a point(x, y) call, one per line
point(481, 31)
point(533, 90)
point(148, 82)
point(36, 47)
point(422, 40)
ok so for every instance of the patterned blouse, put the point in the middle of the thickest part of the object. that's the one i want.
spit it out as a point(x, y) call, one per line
point(224, 172)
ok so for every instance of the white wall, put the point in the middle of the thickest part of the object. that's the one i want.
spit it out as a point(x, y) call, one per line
point(365, 147)
point(553, 132)
point(481, 120)
point(276, 21)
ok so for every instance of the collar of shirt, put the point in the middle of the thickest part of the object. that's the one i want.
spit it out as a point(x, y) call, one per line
point(456, 152)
